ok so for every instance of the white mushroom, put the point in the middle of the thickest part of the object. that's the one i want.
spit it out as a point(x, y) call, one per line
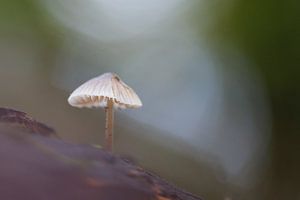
point(107, 91)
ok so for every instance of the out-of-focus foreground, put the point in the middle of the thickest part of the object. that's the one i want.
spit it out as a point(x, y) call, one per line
point(38, 165)
point(219, 82)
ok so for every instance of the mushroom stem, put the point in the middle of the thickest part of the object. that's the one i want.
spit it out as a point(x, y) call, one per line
point(109, 123)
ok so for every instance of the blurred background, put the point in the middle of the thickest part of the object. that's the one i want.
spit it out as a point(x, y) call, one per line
point(219, 80)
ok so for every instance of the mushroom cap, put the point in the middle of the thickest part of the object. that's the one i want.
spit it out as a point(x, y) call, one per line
point(97, 91)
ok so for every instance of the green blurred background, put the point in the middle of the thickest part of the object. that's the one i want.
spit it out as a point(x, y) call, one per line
point(220, 83)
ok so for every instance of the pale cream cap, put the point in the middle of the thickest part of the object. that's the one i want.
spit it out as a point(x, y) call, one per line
point(96, 92)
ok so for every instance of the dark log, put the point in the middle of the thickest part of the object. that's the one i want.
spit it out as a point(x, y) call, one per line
point(35, 166)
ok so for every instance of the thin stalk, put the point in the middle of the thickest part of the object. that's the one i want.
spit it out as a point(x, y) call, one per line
point(109, 125)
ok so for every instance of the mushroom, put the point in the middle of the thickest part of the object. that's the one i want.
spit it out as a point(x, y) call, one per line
point(107, 91)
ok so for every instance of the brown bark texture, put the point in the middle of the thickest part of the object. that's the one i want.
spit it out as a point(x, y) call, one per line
point(36, 164)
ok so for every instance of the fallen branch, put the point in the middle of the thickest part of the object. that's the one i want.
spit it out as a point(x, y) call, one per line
point(35, 166)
